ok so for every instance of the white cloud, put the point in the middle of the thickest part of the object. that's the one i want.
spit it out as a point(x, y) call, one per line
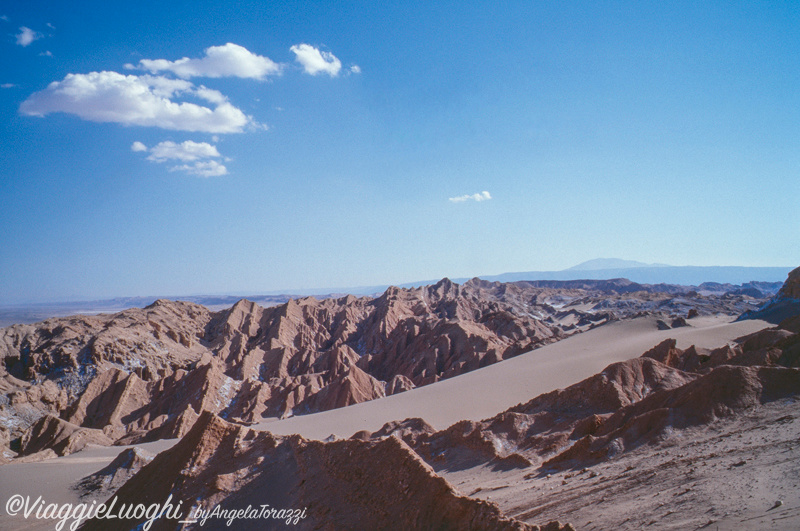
point(4, 17)
point(210, 95)
point(355, 69)
point(137, 100)
point(46, 53)
point(7, 85)
point(482, 196)
point(49, 25)
point(315, 61)
point(27, 36)
point(186, 151)
point(230, 60)
point(200, 154)
point(210, 168)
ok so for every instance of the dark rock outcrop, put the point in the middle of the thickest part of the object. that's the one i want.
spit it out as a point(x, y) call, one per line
point(783, 306)
point(105, 482)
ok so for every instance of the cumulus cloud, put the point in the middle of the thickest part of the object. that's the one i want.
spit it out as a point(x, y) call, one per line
point(355, 69)
point(315, 61)
point(482, 196)
point(229, 60)
point(137, 100)
point(200, 154)
point(27, 36)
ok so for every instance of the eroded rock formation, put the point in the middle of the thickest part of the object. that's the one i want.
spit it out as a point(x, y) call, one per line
point(145, 374)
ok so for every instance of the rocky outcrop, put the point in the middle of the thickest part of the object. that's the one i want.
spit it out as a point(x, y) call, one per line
point(23, 403)
point(769, 347)
point(60, 436)
point(152, 342)
point(783, 306)
point(398, 384)
point(106, 481)
point(791, 288)
point(721, 393)
point(339, 485)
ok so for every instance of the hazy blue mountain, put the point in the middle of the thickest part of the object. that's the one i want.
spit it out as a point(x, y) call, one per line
point(611, 263)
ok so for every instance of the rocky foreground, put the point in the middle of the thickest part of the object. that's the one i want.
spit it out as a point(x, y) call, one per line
point(148, 374)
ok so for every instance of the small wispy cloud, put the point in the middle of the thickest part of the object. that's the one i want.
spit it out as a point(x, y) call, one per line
point(185, 151)
point(46, 53)
point(201, 155)
point(315, 61)
point(4, 18)
point(355, 69)
point(27, 36)
point(210, 168)
point(7, 85)
point(482, 196)
point(229, 60)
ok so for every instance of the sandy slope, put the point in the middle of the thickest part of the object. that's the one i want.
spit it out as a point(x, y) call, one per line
point(483, 393)
point(475, 395)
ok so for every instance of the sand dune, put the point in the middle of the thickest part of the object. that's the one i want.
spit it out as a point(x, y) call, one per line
point(483, 393)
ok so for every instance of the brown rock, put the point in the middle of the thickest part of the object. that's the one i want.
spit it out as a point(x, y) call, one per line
point(342, 485)
point(36, 457)
point(61, 436)
point(105, 482)
point(678, 322)
point(791, 288)
point(398, 384)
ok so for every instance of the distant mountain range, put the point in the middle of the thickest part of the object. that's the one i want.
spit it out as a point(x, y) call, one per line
point(599, 264)
point(656, 274)
point(597, 269)
point(640, 272)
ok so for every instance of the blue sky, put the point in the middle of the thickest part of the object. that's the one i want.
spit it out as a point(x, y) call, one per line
point(177, 148)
